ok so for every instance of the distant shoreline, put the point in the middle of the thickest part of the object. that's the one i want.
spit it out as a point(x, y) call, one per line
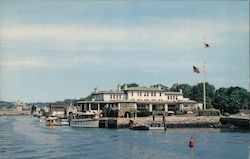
point(14, 112)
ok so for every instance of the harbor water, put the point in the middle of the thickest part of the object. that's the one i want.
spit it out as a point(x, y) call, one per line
point(25, 137)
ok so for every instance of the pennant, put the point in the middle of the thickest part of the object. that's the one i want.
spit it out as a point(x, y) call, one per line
point(196, 70)
point(206, 45)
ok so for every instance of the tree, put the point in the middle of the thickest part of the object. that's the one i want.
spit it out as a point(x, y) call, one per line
point(163, 87)
point(186, 89)
point(133, 85)
point(220, 99)
point(248, 100)
point(197, 93)
point(231, 99)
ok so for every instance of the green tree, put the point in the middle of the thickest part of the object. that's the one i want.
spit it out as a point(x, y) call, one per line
point(231, 99)
point(186, 89)
point(248, 100)
point(133, 85)
point(163, 87)
point(220, 99)
point(197, 93)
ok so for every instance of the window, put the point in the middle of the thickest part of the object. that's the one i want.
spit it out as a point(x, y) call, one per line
point(110, 96)
point(132, 93)
point(160, 93)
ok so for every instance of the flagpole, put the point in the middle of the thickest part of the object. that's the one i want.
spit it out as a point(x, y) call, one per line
point(204, 82)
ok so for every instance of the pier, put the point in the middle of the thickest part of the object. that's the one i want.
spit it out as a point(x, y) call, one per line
point(114, 123)
point(238, 122)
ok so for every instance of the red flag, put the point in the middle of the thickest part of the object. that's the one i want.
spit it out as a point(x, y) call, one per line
point(196, 70)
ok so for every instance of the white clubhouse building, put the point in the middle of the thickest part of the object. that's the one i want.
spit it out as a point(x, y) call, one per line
point(128, 100)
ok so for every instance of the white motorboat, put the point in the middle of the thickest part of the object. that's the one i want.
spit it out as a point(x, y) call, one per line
point(85, 119)
point(53, 121)
point(157, 126)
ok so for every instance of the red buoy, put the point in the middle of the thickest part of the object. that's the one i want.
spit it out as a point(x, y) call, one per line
point(191, 142)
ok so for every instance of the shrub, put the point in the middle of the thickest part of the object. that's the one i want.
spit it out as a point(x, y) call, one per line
point(178, 112)
point(143, 113)
point(209, 112)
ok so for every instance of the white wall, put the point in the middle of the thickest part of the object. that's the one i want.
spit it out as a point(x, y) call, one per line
point(152, 96)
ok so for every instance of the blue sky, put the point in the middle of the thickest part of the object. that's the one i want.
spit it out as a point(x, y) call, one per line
point(52, 50)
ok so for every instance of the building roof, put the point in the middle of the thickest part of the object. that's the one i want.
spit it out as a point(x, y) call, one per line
point(144, 89)
point(113, 101)
point(187, 101)
point(108, 92)
point(173, 93)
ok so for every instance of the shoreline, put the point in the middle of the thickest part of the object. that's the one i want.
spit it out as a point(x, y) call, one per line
point(171, 121)
point(14, 113)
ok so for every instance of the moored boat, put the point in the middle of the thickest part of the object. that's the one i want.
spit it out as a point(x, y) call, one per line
point(53, 121)
point(85, 119)
point(157, 126)
point(136, 125)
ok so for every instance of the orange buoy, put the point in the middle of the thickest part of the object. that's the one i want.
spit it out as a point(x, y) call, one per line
point(191, 142)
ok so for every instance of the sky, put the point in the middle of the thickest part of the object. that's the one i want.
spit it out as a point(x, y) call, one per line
point(51, 50)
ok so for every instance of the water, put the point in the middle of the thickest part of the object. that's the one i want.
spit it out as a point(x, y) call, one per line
point(25, 137)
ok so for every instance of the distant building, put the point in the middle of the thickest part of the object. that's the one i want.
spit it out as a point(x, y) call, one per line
point(19, 106)
point(58, 110)
point(125, 101)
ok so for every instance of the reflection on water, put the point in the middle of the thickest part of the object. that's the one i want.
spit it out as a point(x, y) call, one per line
point(35, 133)
point(25, 137)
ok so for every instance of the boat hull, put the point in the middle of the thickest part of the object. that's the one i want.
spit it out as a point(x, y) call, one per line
point(140, 127)
point(89, 123)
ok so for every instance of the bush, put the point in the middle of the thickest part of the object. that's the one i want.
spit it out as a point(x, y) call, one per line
point(209, 112)
point(178, 112)
point(143, 113)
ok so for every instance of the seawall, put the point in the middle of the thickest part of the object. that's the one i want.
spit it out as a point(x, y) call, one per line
point(171, 121)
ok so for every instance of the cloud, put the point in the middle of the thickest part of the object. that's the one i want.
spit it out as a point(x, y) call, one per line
point(174, 33)
point(49, 63)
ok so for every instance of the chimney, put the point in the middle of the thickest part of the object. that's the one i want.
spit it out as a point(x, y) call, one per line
point(181, 91)
point(96, 90)
point(125, 86)
point(118, 87)
point(159, 86)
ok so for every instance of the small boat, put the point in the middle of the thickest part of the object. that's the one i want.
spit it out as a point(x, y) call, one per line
point(42, 119)
point(157, 126)
point(53, 121)
point(137, 125)
point(85, 119)
point(64, 121)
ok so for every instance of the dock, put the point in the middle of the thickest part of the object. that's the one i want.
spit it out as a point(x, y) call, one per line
point(114, 123)
point(237, 122)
